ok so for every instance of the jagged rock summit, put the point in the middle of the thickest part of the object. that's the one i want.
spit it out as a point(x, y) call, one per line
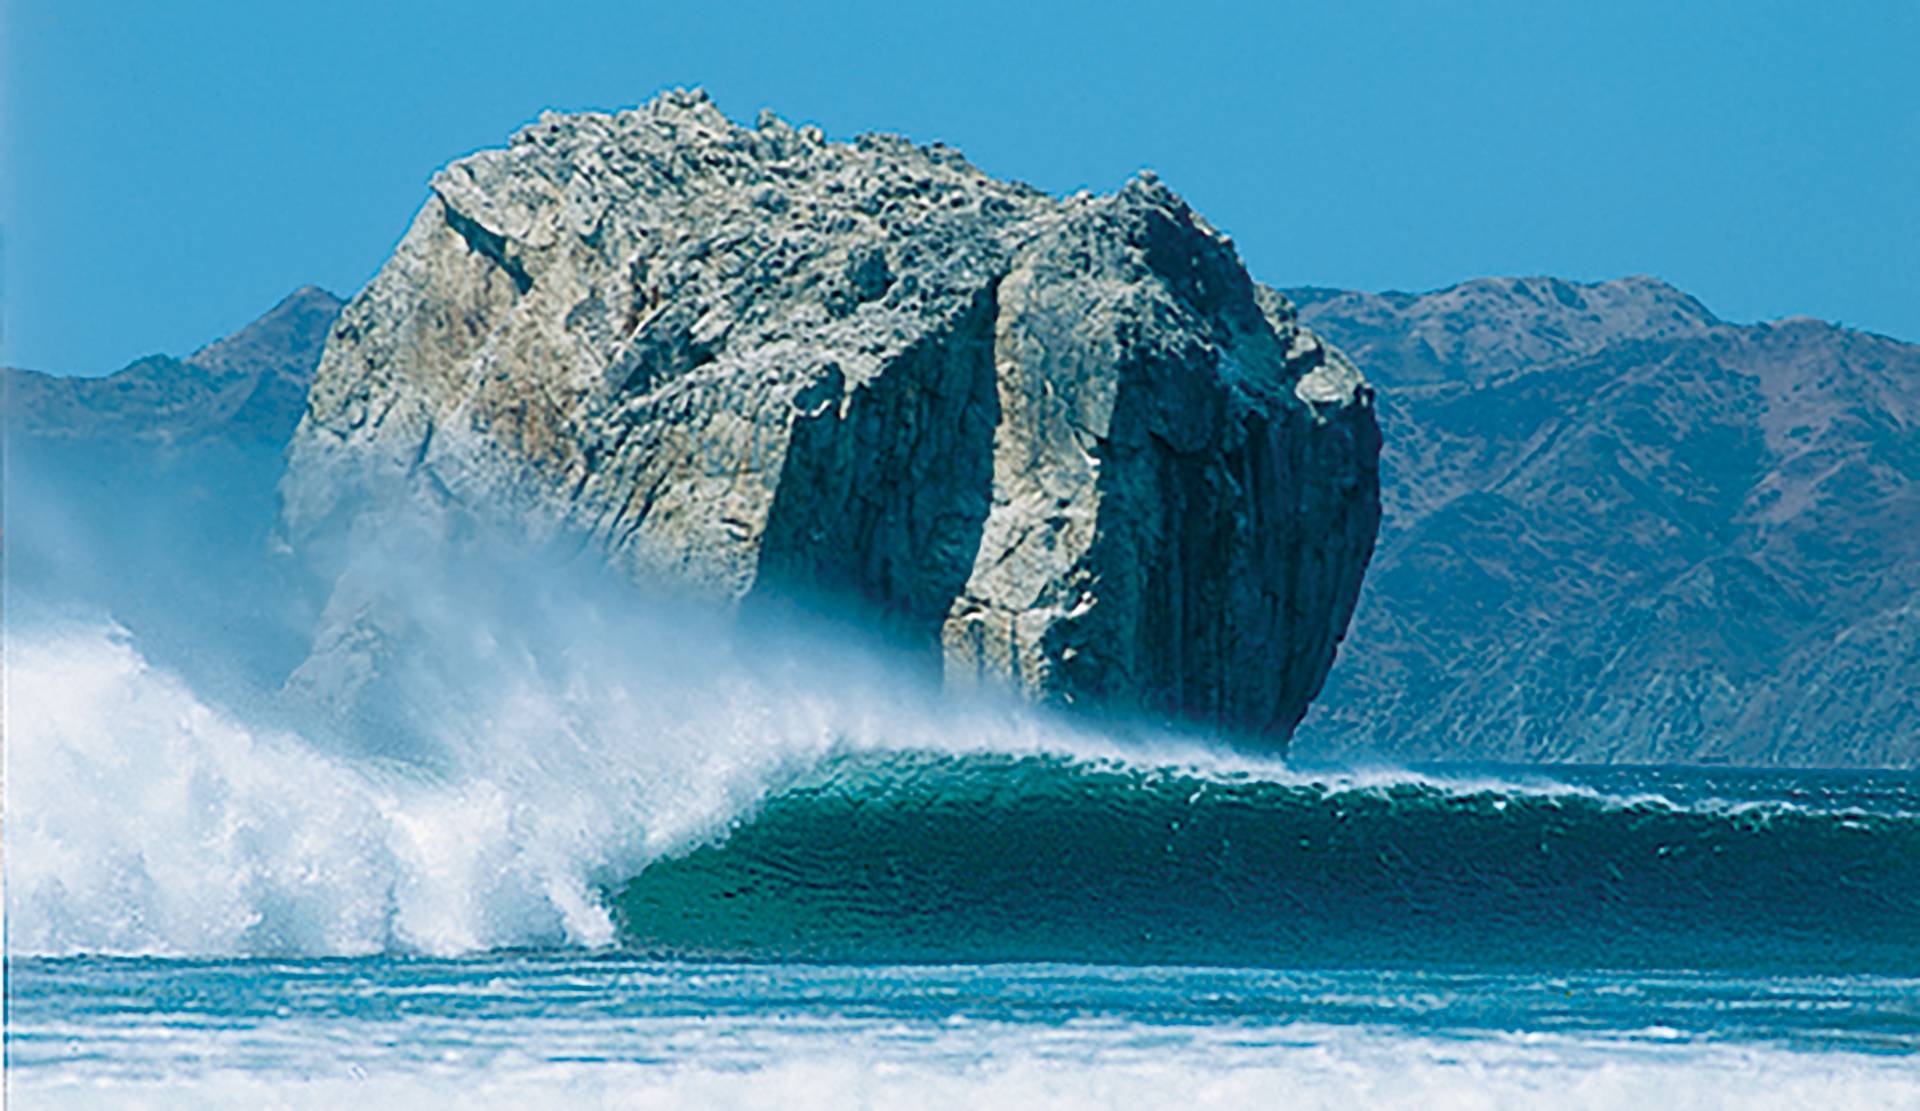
point(1064, 443)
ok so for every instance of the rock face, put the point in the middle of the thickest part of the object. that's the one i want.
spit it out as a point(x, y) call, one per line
point(1065, 444)
point(1620, 529)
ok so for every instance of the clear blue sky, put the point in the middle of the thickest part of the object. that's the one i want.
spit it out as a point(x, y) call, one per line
point(172, 168)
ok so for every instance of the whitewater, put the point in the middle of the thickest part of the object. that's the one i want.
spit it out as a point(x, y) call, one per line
point(144, 820)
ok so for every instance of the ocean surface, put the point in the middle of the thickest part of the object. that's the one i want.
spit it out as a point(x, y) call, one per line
point(1039, 930)
point(707, 879)
point(523, 1029)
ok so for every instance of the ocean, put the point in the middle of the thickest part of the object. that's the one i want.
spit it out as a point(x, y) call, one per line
point(803, 894)
point(531, 1029)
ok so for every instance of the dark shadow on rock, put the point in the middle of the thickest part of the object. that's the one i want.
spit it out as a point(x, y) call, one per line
point(885, 488)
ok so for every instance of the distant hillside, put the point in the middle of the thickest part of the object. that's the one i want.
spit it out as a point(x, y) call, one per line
point(1618, 528)
point(252, 384)
point(146, 497)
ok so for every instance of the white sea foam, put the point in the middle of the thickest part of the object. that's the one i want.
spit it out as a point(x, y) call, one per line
point(141, 820)
point(1337, 1068)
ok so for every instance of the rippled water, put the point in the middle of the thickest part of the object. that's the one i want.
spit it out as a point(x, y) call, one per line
point(940, 857)
point(507, 1027)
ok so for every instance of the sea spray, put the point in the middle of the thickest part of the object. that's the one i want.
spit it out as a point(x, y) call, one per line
point(497, 734)
point(525, 765)
point(140, 819)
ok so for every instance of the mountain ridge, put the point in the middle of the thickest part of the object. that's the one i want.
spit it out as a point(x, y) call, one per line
point(252, 383)
point(1674, 538)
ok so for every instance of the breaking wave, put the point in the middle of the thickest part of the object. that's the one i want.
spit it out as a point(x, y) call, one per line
point(144, 818)
point(932, 857)
point(722, 803)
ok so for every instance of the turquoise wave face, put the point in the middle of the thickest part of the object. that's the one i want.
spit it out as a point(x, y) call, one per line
point(918, 857)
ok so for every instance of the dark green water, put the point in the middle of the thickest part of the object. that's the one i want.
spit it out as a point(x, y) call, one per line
point(924, 857)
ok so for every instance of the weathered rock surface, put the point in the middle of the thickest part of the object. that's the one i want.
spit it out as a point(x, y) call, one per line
point(1066, 444)
point(1620, 529)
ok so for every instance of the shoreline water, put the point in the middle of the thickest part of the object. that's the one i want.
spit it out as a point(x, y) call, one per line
point(621, 1031)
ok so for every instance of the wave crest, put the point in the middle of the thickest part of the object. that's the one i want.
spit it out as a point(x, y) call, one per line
point(932, 857)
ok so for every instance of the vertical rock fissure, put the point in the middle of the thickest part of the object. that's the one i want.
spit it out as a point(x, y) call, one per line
point(886, 486)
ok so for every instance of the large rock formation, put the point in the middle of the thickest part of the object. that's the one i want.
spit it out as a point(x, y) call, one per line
point(1620, 529)
point(1063, 443)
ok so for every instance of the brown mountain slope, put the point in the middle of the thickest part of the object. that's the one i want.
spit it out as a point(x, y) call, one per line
point(1618, 528)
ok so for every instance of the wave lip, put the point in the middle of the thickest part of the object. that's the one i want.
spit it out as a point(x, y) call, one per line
point(938, 857)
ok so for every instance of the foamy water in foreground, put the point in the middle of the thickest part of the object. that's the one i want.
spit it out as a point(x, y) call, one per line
point(1357, 1073)
point(533, 1029)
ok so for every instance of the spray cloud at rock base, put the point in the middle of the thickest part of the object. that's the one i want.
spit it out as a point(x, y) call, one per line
point(534, 738)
